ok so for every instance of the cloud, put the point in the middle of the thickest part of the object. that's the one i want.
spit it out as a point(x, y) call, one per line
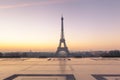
point(28, 3)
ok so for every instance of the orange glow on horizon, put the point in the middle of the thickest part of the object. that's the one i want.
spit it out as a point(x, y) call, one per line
point(44, 47)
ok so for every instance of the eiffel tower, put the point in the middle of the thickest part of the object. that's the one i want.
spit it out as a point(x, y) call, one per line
point(62, 41)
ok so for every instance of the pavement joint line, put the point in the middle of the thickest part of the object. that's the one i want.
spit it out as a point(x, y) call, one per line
point(68, 76)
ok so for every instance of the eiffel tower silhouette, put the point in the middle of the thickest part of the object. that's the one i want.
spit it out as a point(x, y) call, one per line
point(62, 41)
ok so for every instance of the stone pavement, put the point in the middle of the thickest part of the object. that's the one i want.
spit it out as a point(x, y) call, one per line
point(59, 69)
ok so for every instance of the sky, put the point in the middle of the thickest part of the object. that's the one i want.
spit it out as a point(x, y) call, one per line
point(35, 25)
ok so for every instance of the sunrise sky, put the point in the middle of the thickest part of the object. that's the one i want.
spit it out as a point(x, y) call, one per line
point(35, 24)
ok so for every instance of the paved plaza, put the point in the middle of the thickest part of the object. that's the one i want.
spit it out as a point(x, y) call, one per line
point(59, 69)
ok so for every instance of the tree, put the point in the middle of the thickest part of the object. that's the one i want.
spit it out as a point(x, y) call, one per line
point(1, 54)
point(114, 53)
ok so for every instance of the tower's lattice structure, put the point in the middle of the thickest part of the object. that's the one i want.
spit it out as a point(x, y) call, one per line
point(62, 41)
